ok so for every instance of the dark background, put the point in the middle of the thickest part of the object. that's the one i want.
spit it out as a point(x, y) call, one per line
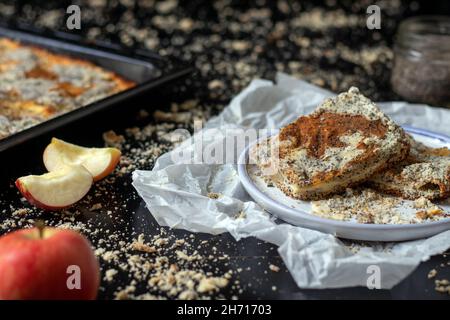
point(229, 43)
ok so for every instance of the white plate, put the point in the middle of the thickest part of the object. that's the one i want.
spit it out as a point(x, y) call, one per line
point(298, 212)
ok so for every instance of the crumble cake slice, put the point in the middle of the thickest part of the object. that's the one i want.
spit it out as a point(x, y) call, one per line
point(424, 173)
point(342, 143)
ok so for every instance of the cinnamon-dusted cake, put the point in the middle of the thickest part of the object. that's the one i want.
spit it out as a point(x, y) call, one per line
point(343, 142)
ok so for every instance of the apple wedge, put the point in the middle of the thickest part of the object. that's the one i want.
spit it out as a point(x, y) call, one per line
point(98, 161)
point(57, 189)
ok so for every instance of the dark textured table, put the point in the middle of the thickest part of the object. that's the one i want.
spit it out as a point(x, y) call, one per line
point(229, 44)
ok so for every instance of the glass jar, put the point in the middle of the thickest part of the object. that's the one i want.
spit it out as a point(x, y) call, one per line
point(421, 71)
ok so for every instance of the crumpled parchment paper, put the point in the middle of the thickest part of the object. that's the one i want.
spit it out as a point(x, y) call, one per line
point(176, 193)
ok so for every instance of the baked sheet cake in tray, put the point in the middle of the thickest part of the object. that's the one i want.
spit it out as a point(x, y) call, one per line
point(47, 82)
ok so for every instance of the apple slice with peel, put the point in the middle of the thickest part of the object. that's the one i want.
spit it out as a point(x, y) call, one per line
point(57, 189)
point(98, 161)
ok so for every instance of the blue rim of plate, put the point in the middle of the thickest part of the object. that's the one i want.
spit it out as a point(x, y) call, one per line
point(243, 175)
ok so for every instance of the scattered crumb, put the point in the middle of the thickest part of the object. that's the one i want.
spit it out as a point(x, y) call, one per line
point(274, 268)
point(109, 274)
point(442, 286)
point(95, 207)
point(112, 139)
point(178, 117)
point(240, 215)
point(214, 195)
point(430, 213)
point(21, 212)
point(139, 245)
point(211, 284)
point(432, 273)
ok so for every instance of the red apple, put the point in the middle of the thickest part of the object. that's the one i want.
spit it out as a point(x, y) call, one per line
point(98, 161)
point(57, 189)
point(42, 263)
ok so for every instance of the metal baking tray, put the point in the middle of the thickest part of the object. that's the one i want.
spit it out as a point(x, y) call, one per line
point(147, 69)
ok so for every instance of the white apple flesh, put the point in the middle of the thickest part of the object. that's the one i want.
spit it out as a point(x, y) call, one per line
point(98, 161)
point(57, 189)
